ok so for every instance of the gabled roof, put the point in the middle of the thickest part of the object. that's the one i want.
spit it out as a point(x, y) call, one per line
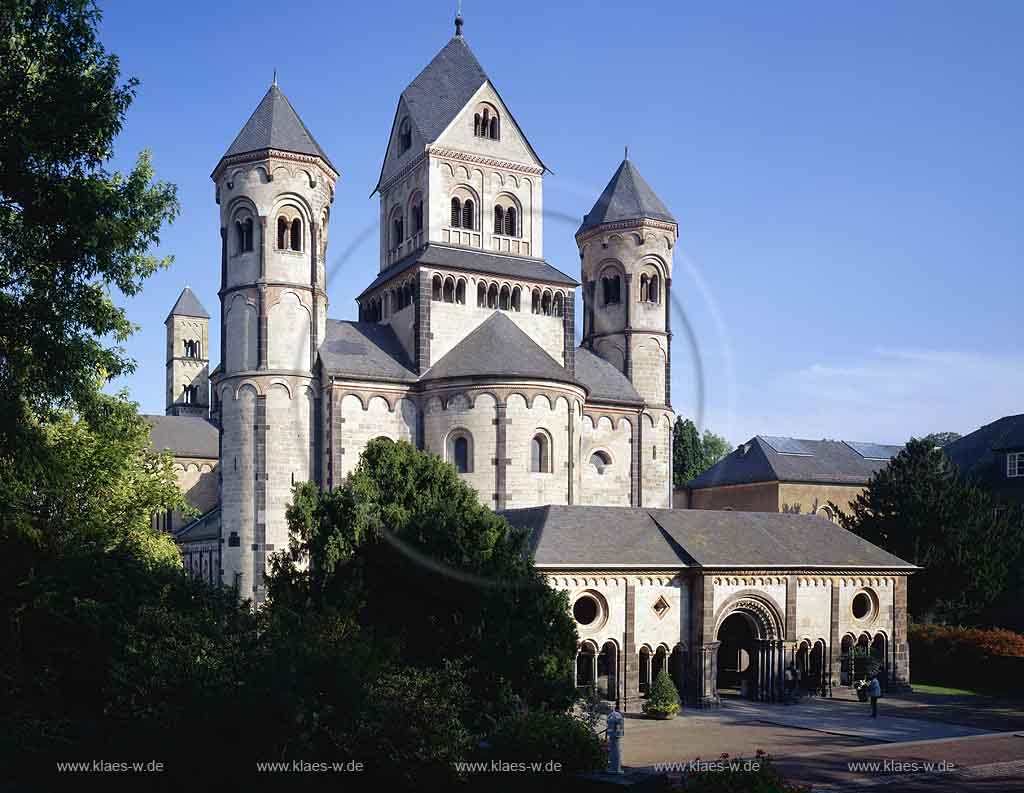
point(764, 459)
point(205, 527)
point(581, 537)
point(184, 436)
point(443, 88)
point(626, 197)
point(274, 124)
point(603, 380)
point(365, 350)
point(187, 305)
point(976, 454)
point(498, 348)
point(437, 255)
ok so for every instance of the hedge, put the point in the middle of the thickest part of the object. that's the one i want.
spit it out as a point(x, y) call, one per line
point(972, 658)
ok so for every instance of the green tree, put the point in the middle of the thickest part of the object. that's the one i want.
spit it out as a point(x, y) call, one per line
point(687, 452)
point(713, 447)
point(70, 230)
point(942, 438)
point(920, 509)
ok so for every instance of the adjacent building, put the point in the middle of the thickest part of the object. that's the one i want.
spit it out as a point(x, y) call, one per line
point(993, 457)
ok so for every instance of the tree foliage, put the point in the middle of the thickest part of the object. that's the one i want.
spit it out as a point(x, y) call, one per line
point(941, 439)
point(920, 509)
point(70, 230)
point(692, 453)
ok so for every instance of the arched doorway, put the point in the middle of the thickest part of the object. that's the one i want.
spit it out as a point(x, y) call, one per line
point(645, 669)
point(846, 669)
point(586, 666)
point(750, 651)
point(879, 652)
point(677, 669)
point(608, 671)
point(658, 662)
point(818, 680)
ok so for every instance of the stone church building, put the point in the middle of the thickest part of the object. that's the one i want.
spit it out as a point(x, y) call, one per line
point(465, 345)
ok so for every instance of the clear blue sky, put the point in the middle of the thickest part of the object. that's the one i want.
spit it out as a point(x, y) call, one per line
point(847, 177)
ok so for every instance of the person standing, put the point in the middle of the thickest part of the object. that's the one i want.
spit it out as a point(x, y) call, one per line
point(874, 692)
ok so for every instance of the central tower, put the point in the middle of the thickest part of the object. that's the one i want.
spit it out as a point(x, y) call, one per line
point(274, 186)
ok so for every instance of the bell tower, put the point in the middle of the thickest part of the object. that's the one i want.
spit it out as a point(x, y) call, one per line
point(626, 244)
point(274, 186)
point(188, 363)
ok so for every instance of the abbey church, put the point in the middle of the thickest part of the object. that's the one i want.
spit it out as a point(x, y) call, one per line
point(465, 345)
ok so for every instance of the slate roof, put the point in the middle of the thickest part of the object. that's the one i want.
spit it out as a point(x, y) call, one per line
point(188, 305)
point(443, 88)
point(604, 381)
point(976, 454)
point(365, 350)
point(626, 197)
point(579, 536)
point(205, 527)
point(497, 348)
point(832, 462)
point(434, 254)
point(183, 436)
point(274, 124)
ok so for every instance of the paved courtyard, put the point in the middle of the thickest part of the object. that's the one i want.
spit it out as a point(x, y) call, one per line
point(816, 741)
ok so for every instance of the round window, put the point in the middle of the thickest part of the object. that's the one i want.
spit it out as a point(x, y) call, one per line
point(585, 610)
point(862, 605)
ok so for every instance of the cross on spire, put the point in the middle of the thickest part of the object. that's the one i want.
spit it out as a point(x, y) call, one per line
point(458, 20)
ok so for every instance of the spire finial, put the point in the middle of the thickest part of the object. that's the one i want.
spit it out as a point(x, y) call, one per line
point(275, 78)
point(626, 155)
point(458, 20)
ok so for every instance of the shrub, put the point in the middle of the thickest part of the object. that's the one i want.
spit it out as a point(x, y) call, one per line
point(664, 698)
point(955, 656)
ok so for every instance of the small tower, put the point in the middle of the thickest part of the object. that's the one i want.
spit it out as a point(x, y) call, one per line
point(274, 188)
point(188, 362)
point(626, 244)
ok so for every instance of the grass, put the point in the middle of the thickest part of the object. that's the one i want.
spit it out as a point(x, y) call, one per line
point(926, 688)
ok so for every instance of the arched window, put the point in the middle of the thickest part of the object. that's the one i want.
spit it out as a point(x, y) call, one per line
point(416, 219)
point(247, 235)
point(535, 302)
point(296, 237)
point(499, 220)
point(652, 290)
point(449, 290)
point(456, 213)
point(467, 214)
point(516, 296)
point(611, 286)
point(397, 235)
point(492, 296)
point(505, 298)
point(435, 288)
point(540, 454)
point(600, 461)
point(282, 234)
point(485, 123)
point(460, 451)
point(404, 136)
point(558, 305)
point(476, 125)
point(511, 229)
point(460, 292)
point(643, 288)
point(494, 128)
point(545, 304)
point(481, 295)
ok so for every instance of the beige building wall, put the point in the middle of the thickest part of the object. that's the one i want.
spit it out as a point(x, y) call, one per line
point(757, 497)
point(612, 487)
point(809, 498)
point(473, 414)
point(376, 420)
point(549, 417)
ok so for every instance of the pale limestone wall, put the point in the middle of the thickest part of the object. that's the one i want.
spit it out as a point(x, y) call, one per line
point(611, 488)
point(394, 161)
point(450, 323)
point(657, 458)
point(290, 455)
point(238, 498)
point(241, 351)
point(511, 144)
point(771, 588)
point(198, 480)
point(475, 414)
point(184, 371)
point(648, 366)
point(813, 609)
point(398, 199)
point(880, 620)
point(611, 591)
point(376, 420)
point(673, 626)
point(288, 334)
point(810, 498)
point(612, 349)
point(758, 497)
point(523, 486)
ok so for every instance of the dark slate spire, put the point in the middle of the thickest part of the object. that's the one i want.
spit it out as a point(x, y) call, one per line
point(275, 125)
point(627, 197)
point(443, 88)
point(188, 305)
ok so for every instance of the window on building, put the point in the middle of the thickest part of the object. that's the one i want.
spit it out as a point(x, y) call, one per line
point(282, 234)
point(467, 214)
point(460, 292)
point(511, 229)
point(505, 298)
point(449, 290)
point(499, 220)
point(1015, 464)
point(296, 235)
point(456, 213)
point(243, 235)
point(397, 232)
point(404, 136)
point(417, 217)
point(481, 295)
point(600, 460)
point(540, 454)
point(611, 288)
point(516, 297)
point(435, 288)
point(559, 305)
point(460, 451)
point(493, 129)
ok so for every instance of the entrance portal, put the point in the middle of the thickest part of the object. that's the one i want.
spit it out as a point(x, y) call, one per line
point(750, 651)
point(735, 654)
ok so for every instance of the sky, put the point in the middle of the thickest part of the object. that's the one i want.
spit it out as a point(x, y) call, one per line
point(847, 178)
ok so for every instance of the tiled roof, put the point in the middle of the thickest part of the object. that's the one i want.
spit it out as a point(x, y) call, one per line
point(498, 348)
point(188, 305)
point(835, 462)
point(976, 454)
point(365, 350)
point(184, 436)
point(500, 264)
point(275, 125)
point(604, 381)
point(205, 527)
point(580, 536)
point(626, 197)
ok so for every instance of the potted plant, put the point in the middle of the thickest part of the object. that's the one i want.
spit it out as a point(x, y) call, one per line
point(663, 701)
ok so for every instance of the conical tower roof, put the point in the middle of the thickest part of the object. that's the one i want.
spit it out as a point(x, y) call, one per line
point(627, 197)
point(275, 125)
point(188, 305)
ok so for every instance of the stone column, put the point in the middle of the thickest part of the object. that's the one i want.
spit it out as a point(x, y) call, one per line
point(668, 342)
point(569, 335)
point(630, 683)
point(835, 660)
point(422, 318)
point(705, 646)
point(900, 646)
point(261, 331)
point(501, 460)
point(627, 337)
point(259, 542)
